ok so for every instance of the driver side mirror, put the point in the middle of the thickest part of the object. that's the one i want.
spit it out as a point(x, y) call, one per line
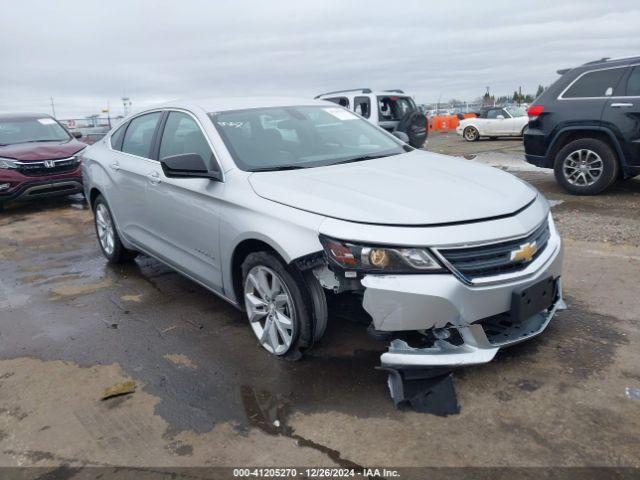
point(500, 117)
point(188, 165)
point(401, 135)
point(76, 134)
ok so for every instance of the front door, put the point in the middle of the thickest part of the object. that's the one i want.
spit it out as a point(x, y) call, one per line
point(185, 212)
point(622, 115)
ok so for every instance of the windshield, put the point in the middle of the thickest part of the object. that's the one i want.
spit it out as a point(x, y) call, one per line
point(25, 130)
point(516, 111)
point(300, 137)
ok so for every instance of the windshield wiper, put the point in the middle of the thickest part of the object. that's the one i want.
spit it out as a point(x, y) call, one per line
point(362, 158)
point(278, 168)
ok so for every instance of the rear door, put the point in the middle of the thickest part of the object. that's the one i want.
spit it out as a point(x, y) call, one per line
point(129, 168)
point(585, 98)
point(622, 115)
point(185, 212)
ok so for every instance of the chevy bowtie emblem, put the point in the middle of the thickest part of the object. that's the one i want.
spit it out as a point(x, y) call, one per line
point(525, 253)
point(49, 163)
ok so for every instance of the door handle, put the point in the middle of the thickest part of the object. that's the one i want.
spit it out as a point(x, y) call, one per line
point(154, 178)
point(621, 105)
point(114, 166)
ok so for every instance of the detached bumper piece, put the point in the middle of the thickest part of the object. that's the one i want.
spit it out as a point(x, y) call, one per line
point(426, 390)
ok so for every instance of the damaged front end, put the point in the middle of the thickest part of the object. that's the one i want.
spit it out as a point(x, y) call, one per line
point(462, 303)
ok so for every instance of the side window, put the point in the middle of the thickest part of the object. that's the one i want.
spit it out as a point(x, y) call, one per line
point(116, 138)
point(600, 83)
point(342, 101)
point(494, 112)
point(139, 135)
point(362, 106)
point(183, 135)
point(633, 83)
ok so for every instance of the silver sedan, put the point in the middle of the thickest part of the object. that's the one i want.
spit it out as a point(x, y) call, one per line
point(276, 205)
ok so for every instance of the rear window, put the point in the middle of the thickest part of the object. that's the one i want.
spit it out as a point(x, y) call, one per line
point(139, 135)
point(599, 83)
point(342, 101)
point(394, 108)
point(633, 84)
point(116, 137)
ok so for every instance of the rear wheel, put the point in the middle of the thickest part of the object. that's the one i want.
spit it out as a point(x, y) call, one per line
point(471, 134)
point(586, 166)
point(274, 299)
point(108, 238)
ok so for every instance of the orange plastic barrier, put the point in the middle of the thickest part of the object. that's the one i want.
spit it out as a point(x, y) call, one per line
point(446, 122)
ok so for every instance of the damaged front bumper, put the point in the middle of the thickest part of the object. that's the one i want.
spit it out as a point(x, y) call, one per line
point(481, 342)
point(477, 317)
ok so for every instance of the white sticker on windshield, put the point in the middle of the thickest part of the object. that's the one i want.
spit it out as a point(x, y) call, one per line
point(46, 121)
point(341, 113)
point(231, 124)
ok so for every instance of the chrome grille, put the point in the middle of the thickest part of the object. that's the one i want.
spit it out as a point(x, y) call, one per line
point(48, 167)
point(495, 258)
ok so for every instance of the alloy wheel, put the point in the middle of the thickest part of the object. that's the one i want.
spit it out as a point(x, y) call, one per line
point(270, 309)
point(470, 134)
point(582, 167)
point(104, 225)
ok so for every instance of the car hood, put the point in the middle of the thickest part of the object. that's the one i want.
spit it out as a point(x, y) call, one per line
point(416, 188)
point(41, 151)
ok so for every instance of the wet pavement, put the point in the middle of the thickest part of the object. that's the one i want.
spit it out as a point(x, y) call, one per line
point(71, 326)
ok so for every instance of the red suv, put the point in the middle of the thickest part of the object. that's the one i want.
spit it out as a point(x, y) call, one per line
point(38, 158)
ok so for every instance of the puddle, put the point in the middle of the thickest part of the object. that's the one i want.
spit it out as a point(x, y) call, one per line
point(269, 414)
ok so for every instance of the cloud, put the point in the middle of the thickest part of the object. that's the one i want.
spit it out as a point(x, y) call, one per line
point(89, 53)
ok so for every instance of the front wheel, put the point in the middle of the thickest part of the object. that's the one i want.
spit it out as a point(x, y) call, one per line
point(276, 308)
point(471, 134)
point(586, 166)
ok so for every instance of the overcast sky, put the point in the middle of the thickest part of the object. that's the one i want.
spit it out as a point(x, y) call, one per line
point(88, 53)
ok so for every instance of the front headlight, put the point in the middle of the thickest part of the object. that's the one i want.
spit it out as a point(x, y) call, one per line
point(379, 259)
point(6, 163)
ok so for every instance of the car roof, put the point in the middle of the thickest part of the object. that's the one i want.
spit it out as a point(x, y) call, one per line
point(23, 116)
point(365, 91)
point(601, 63)
point(222, 104)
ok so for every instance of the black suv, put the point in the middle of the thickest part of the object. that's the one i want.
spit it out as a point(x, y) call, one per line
point(586, 126)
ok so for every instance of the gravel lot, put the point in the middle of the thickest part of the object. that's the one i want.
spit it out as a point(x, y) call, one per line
point(71, 326)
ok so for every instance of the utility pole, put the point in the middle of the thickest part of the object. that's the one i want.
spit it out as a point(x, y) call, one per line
point(53, 108)
point(519, 94)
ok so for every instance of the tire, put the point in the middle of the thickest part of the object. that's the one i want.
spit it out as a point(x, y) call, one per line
point(414, 124)
point(268, 303)
point(107, 234)
point(572, 162)
point(471, 134)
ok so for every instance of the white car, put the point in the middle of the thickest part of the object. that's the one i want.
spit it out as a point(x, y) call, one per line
point(277, 204)
point(493, 123)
